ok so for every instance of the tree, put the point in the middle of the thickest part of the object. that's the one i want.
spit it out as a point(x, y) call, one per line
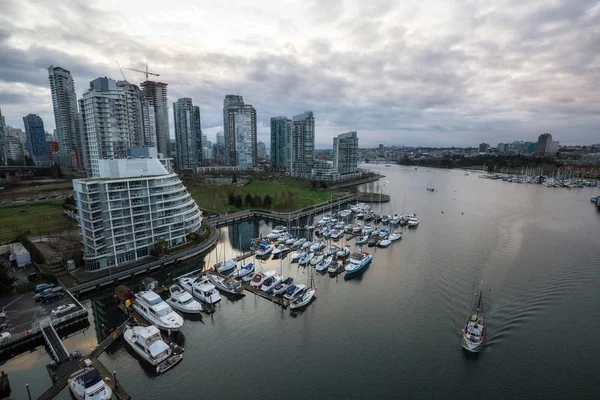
point(256, 201)
point(231, 198)
point(248, 200)
point(6, 279)
point(159, 249)
point(234, 179)
point(238, 201)
point(267, 202)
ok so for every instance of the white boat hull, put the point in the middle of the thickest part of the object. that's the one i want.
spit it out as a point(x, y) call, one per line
point(304, 300)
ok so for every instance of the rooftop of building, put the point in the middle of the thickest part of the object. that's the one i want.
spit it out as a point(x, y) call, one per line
point(18, 249)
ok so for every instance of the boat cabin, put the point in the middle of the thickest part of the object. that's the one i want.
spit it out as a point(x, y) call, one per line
point(151, 341)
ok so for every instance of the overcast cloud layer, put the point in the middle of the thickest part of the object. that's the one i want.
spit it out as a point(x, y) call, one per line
point(398, 72)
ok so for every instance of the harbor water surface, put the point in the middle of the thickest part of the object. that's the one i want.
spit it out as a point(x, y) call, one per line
point(394, 332)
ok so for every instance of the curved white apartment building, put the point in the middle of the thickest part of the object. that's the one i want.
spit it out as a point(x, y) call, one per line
point(134, 203)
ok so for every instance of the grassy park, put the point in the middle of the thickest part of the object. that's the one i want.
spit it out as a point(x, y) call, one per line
point(284, 195)
point(37, 218)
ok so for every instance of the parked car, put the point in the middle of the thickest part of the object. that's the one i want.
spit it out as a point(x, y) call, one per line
point(63, 309)
point(48, 297)
point(43, 286)
point(33, 277)
point(40, 295)
point(4, 336)
point(3, 325)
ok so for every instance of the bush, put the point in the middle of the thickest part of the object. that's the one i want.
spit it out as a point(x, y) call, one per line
point(238, 201)
point(257, 201)
point(248, 200)
point(231, 199)
point(267, 202)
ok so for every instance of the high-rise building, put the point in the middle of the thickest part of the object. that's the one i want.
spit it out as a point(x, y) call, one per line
point(156, 94)
point(483, 147)
point(544, 144)
point(105, 123)
point(261, 150)
point(230, 99)
point(124, 211)
point(219, 148)
point(3, 138)
point(345, 153)
point(302, 144)
point(188, 134)
point(36, 138)
point(240, 141)
point(140, 116)
point(281, 131)
point(64, 102)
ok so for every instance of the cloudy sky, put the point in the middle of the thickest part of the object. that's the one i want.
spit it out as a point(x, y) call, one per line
point(398, 72)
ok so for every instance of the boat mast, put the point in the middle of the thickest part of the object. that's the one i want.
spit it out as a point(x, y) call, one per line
point(479, 303)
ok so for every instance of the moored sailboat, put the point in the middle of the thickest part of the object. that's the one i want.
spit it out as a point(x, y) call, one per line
point(474, 331)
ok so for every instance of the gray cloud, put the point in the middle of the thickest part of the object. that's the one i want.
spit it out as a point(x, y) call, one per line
point(480, 74)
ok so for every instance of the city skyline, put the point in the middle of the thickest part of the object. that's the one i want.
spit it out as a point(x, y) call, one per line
point(453, 74)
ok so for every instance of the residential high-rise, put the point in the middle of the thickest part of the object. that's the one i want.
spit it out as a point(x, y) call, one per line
point(105, 123)
point(230, 99)
point(345, 153)
point(142, 131)
point(3, 138)
point(544, 143)
point(240, 141)
point(156, 93)
point(130, 206)
point(64, 102)
point(483, 147)
point(261, 150)
point(188, 134)
point(281, 132)
point(302, 144)
point(219, 148)
point(36, 138)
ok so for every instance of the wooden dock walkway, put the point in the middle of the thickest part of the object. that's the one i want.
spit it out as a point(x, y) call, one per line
point(117, 389)
point(280, 301)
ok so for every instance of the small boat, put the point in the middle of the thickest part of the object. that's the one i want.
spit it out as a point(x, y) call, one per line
point(298, 255)
point(271, 282)
point(345, 213)
point(339, 226)
point(473, 333)
point(226, 285)
point(283, 286)
point(201, 288)
point(395, 235)
point(243, 271)
point(294, 291)
point(395, 220)
point(226, 267)
point(344, 252)
point(385, 219)
point(367, 229)
point(358, 262)
point(385, 243)
point(373, 241)
point(280, 250)
point(88, 384)
point(325, 219)
point(383, 232)
point(413, 221)
point(318, 245)
point(306, 258)
point(182, 301)
point(324, 264)
point(356, 229)
point(335, 267)
point(375, 233)
point(157, 311)
point(303, 300)
point(276, 232)
point(306, 245)
point(290, 241)
point(298, 243)
point(369, 217)
point(362, 239)
point(264, 250)
point(260, 278)
point(348, 228)
point(336, 234)
point(147, 342)
point(325, 232)
point(248, 278)
point(316, 259)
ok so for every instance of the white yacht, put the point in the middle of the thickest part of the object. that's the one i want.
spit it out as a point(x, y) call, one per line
point(226, 285)
point(324, 264)
point(276, 232)
point(304, 299)
point(344, 252)
point(345, 213)
point(291, 240)
point(88, 384)
point(358, 262)
point(316, 259)
point(473, 334)
point(298, 255)
point(307, 244)
point(280, 250)
point(385, 243)
point(325, 219)
point(147, 342)
point(413, 221)
point(264, 250)
point(362, 239)
point(271, 282)
point(298, 243)
point(283, 286)
point(155, 310)
point(397, 234)
point(335, 267)
point(260, 278)
point(305, 259)
point(201, 288)
point(318, 245)
point(294, 291)
point(182, 301)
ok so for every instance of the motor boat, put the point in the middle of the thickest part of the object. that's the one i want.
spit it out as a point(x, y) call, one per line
point(397, 234)
point(345, 213)
point(330, 251)
point(264, 249)
point(303, 300)
point(356, 229)
point(383, 232)
point(243, 271)
point(358, 262)
point(325, 220)
point(280, 250)
point(276, 232)
point(395, 220)
point(362, 239)
point(307, 244)
point(344, 252)
point(260, 278)
point(318, 245)
point(294, 291)
point(325, 232)
point(335, 267)
point(226, 285)
point(474, 331)
point(88, 384)
point(156, 311)
point(333, 220)
point(147, 342)
point(306, 258)
point(226, 267)
point(374, 233)
point(336, 234)
point(348, 228)
point(324, 264)
point(201, 288)
point(182, 301)
point(367, 229)
point(248, 278)
point(282, 286)
point(316, 259)
point(373, 241)
point(360, 215)
point(413, 221)
point(385, 243)
point(298, 243)
point(298, 254)
point(385, 219)
point(290, 241)
point(369, 217)
point(271, 282)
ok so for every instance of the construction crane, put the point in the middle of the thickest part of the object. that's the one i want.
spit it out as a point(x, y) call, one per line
point(121, 69)
point(146, 72)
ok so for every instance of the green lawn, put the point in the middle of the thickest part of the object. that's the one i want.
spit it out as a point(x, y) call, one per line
point(37, 218)
point(286, 194)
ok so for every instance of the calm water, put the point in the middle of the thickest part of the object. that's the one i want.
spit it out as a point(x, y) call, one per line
point(395, 332)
